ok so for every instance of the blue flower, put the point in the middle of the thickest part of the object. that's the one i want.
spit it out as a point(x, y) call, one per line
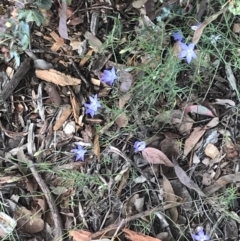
point(187, 52)
point(79, 152)
point(109, 76)
point(200, 236)
point(177, 36)
point(139, 146)
point(93, 106)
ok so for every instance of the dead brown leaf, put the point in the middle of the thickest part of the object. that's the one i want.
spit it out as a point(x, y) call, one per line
point(96, 146)
point(80, 235)
point(196, 135)
point(133, 236)
point(185, 180)
point(28, 221)
point(221, 182)
point(64, 116)
point(170, 197)
point(58, 41)
point(123, 100)
point(122, 120)
point(155, 156)
point(198, 33)
point(86, 58)
point(57, 77)
point(76, 108)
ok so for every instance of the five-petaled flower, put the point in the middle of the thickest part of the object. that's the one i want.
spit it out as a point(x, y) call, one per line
point(79, 152)
point(92, 108)
point(200, 236)
point(177, 36)
point(139, 146)
point(187, 51)
point(108, 76)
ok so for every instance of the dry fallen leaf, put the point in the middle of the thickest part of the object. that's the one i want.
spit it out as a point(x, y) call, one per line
point(66, 112)
point(122, 120)
point(155, 156)
point(199, 109)
point(198, 33)
point(221, 182)
point(211, 151)
point(170, 197)
point(57, 77)
point(29, 221)
point(133, 236)
point(184, 179)
point(80, 235)
point(196, 135)
point(96, 146)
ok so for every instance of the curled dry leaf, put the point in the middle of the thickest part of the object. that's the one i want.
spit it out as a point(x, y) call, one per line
point(80, 235)
point(221, 182)
point(155, 156)
point(28, 221)
point(225, 102)
point(170, 197)
point(133, 236)
point(185, 180)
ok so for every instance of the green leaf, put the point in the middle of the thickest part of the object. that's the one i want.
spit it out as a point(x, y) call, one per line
point(234, 7)
point(46, 4)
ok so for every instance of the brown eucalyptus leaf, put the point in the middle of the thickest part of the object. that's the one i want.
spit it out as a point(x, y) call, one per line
point(198, 33)
point(184, 179)
point(170, 197)
point(155, 156)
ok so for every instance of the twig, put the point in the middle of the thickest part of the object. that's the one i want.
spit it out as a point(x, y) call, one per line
point(53, 209)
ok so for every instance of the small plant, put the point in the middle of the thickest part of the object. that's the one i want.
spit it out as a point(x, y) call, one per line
point(17, 29)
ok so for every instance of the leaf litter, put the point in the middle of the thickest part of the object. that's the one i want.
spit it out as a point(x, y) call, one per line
point(139, 93)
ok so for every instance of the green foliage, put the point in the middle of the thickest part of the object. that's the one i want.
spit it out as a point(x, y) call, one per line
point(31, 15)
point(234, 7)
point(45, 4)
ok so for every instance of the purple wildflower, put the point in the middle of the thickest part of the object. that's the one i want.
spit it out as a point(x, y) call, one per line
point(200, 236)
point(139, 146)
point(109, 76)
point(79, 152)
point(177, 36)
point(187, 52)
point(93, 106)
